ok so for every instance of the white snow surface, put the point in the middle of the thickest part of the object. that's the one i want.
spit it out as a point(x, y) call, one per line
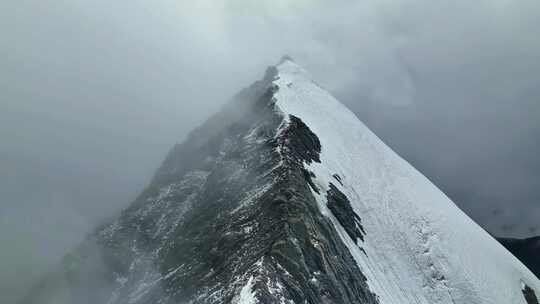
point(421, 248)
point(246, 294)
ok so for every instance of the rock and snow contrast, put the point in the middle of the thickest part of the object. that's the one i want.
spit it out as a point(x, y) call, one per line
point(286, 197)
point(526, 250)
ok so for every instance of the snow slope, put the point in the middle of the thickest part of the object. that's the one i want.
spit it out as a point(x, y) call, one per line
point(419, 247)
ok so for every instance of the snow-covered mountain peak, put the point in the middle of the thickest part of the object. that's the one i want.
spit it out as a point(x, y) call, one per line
point(291, 70)
point(286, 197)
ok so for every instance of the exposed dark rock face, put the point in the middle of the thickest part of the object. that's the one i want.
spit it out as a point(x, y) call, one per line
point(299, 142)
point(341, 207)
point(337, 178)
point(230, 211)
point(530, 295)
point(322, 266)
point(526, 250)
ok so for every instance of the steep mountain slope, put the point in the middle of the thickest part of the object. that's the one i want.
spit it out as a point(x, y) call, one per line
point(420, 247)
point(526, 250)
point(286, 197)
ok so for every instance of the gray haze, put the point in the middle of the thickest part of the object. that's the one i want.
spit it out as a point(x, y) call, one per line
point(94, 93)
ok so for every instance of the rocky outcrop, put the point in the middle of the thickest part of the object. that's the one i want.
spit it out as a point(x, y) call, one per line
point(530, 295)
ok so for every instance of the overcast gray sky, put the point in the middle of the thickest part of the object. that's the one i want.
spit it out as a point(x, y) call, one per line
point(94, 93)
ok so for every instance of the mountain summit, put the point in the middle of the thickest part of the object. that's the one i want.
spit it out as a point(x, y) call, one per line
point(286, 197)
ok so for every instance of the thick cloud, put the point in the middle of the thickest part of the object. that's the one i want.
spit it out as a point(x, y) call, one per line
point(94, 93)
